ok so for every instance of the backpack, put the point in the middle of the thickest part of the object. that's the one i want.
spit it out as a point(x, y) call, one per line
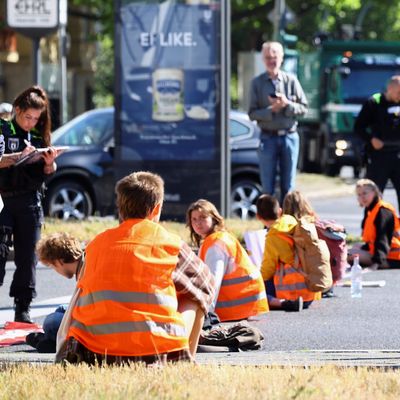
point(334, 235)
point(314, 257)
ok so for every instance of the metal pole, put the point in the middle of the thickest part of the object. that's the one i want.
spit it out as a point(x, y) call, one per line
point(279, 9)
point(63, 69)
point(63, 17)
point(36, 57)
point(225, 107)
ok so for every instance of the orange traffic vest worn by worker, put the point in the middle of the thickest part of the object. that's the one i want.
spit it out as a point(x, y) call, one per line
point(369, 231)
point(242, 293)
point(289, 282)
point(128, 303)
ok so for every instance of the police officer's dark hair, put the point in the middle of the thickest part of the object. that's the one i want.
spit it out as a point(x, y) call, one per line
point(35, 97)
point(138, 194)
point(268, 207)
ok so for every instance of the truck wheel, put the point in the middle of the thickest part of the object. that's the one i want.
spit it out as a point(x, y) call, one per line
point(244, 195)
point(68, 200)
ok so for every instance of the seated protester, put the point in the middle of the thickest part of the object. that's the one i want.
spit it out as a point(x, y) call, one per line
point(380, 229)
point(63, 253)
point(288, 290)
point(240, 291)
point(144, 293)
point(332, 233)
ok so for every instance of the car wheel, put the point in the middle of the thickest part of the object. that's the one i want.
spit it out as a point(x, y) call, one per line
point(244, 196)
point(68, 200)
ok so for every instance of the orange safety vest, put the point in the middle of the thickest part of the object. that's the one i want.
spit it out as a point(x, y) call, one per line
point(242, 293)
point(369, 231)
point(128, 303)
point(289, 282)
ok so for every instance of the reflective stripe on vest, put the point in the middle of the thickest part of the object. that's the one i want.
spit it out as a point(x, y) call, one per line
point(128, 297)
point(369, 231)
point(241, 301)
point(242, 292)
point(130, 327)
point(294, 286)
point(241, 279)
point(128, 302)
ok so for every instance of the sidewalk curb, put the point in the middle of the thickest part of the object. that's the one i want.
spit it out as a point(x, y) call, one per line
point(307, 358)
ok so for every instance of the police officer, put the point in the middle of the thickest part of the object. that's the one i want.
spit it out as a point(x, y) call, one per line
point(20, 188)
point(378, 124)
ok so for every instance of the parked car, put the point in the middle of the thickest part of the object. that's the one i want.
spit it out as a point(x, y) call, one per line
point(84, 183)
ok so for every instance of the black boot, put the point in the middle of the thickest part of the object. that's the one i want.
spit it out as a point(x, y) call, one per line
point(22, 310)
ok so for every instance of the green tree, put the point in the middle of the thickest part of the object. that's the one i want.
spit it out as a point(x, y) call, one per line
point(251, 26)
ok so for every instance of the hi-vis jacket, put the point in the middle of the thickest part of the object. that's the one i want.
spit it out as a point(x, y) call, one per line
point(128, 303)
point(279, 255)
point(369, 231)
point(242, 293)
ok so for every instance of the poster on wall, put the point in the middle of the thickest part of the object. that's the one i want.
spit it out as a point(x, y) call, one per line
point(168, 96)
point(169, 68)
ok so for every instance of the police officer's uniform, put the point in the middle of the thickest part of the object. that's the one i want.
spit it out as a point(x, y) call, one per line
point(380, 118)
point(22, 216)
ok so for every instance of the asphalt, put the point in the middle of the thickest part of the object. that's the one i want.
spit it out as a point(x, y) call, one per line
point(338, 331)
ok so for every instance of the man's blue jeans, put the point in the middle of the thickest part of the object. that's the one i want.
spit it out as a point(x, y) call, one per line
point(278, 153)
point(53, 321)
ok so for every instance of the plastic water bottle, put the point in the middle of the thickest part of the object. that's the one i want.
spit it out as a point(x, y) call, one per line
point(356, 277)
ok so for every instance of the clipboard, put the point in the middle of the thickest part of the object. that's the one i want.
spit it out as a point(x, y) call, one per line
point(36, 155)
point(15, 160)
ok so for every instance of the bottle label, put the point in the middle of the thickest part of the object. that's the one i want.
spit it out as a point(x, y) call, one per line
point(168, 95)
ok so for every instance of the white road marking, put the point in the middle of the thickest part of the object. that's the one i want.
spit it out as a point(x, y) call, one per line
point(38, 308)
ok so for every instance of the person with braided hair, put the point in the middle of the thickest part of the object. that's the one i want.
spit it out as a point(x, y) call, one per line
point(21, 190)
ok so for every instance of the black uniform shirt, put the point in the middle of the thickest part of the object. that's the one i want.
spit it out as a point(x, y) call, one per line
point(27, 177)
point(379, 118)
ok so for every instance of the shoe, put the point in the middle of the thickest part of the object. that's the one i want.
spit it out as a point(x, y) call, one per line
point(328, 294)
point(22, 308)
point(34, 338)
point(46, 346)
point(293, 305)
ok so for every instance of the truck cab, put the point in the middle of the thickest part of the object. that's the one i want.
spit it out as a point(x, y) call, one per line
point(337, 79)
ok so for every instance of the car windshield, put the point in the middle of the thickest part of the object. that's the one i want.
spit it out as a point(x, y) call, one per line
point(85, 130)
point(362, 83)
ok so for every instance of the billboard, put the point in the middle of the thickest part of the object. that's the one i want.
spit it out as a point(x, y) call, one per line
point(168, 96)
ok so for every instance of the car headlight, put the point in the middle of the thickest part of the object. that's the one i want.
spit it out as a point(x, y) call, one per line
point(342, 145)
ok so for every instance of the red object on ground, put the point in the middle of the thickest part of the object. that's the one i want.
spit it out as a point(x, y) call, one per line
point(15, 332)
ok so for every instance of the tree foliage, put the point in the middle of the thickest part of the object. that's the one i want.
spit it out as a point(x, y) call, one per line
point(251, 25)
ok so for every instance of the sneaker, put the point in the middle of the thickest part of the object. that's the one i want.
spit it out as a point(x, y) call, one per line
point(293, 305)
point(46, 346)
point(328, 294)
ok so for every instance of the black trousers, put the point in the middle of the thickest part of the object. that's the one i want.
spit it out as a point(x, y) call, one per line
point(382, 166)
point(22, 216)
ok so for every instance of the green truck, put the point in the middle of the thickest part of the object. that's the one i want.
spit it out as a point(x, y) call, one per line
point(337, 78)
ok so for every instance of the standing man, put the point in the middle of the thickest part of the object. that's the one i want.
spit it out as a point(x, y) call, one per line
point(378, 124)
point(276, 101)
